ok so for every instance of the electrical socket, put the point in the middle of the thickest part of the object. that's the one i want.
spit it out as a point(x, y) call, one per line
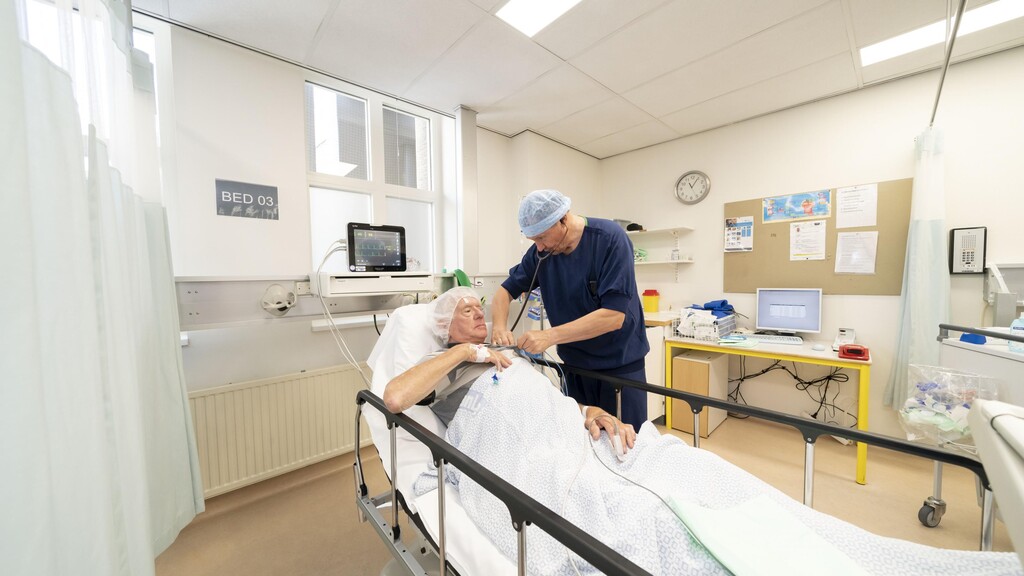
point(302, 288)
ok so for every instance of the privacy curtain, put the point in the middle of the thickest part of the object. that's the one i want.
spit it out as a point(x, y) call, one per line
point(99, 468)
point(924, 301)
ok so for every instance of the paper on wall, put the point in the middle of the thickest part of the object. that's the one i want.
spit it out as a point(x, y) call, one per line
point(739, 234)
point(856, 252)
point(857, 206)
point(807, 240)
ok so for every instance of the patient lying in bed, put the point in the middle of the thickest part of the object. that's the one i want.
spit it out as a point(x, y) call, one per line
point(669, 508)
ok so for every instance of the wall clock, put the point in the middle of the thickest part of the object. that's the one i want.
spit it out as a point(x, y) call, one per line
point(692, 187)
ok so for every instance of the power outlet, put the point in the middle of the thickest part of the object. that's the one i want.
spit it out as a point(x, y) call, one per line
point(302, 288)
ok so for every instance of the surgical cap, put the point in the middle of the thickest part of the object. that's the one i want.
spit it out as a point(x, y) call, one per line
point(444, 310)
point(540, 210)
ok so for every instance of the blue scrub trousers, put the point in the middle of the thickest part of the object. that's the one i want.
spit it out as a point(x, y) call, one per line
point(593, 392)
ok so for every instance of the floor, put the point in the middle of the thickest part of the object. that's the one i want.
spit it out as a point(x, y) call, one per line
point(305, 522)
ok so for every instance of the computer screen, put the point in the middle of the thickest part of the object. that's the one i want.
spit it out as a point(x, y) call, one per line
point(789, 309)
point(375, 248)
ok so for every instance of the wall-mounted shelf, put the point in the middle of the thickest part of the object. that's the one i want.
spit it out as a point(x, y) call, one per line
point(660, 244)
point(677, 231)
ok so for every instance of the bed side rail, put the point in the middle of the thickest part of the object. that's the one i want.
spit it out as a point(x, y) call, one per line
point(809, 429)
point(944, 330)
point(523, 509)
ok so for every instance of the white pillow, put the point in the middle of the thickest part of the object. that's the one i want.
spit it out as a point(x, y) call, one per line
point(406, 339)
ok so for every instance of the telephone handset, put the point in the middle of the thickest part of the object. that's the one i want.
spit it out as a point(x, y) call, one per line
point(845, 336)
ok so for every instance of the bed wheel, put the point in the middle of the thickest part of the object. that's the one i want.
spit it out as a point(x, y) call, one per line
point(931, 513)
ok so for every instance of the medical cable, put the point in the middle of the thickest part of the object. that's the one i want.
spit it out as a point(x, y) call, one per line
point(661, 498)
point(337, 246)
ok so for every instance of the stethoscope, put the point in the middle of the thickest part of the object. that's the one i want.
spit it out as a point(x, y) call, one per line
point(540, 260)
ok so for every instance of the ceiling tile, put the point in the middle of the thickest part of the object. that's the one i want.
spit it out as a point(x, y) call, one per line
point(608, 117)
point(386, 45)
point(826, 78)
point(269, 25)
point(877, 20)
point(491, 62)
point(647, 134)
point(589, 22)
point(679, 33)
point(551, 97)
point(488, 5)
point(1001, 37)
point(798, 42)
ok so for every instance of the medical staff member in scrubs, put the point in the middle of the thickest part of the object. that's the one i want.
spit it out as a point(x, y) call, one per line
point(584, 268)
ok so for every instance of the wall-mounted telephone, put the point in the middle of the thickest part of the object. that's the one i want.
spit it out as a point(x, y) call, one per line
point(845, 336)
point(967, 250)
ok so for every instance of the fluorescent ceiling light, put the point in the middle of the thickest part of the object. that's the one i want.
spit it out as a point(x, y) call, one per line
point(978, 19)
point(531, 16)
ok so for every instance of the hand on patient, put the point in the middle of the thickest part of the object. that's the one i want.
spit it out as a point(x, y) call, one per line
point(597, 419)
point(503, 337)
point(536, 341)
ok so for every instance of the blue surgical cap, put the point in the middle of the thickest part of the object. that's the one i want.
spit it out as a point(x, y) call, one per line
point(540, 210)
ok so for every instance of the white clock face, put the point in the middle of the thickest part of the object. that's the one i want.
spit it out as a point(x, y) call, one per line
point(692, 187)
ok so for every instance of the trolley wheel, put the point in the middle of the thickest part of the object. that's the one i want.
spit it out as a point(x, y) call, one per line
point(928, 516)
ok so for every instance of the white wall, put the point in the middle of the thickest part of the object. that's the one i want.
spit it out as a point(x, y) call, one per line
point(863, 137)
point(239, 116)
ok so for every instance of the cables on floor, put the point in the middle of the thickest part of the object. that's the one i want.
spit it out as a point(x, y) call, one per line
point(817, 389)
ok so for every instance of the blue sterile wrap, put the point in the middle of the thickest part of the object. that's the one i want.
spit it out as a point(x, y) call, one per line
point(718, 308)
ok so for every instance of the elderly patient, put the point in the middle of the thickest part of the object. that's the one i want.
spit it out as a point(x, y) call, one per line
point(442, 379)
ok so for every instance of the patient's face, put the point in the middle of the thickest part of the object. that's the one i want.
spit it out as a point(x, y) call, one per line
point(468, 324)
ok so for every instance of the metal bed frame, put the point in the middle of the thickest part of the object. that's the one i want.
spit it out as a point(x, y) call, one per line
point(934, 506)
point(525, 510)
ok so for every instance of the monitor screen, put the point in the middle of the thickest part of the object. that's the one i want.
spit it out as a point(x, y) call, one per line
point(789, 309)
point(375, 248)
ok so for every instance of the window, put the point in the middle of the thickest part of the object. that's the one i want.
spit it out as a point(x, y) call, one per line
point(417, 218)
point(406, 149)
point(336, 133)
point(372, 159)
point(330, 212)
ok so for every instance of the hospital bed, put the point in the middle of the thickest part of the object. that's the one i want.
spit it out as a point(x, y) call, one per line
point(411, 442)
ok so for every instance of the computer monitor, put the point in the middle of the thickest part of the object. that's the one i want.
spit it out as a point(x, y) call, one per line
point(375, 248)
point(788, 310)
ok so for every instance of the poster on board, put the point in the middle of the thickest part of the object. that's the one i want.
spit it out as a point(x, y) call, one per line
point(802, 206)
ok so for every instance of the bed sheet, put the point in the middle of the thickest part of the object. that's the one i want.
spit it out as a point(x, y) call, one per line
point(600, 502)
point(469, 551)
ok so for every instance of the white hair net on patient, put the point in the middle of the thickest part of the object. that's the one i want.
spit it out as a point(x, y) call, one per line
point(444, 310)
point(540, 210)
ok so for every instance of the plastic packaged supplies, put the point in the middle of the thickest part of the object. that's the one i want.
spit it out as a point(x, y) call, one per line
point(938, 402)
point(704, 325)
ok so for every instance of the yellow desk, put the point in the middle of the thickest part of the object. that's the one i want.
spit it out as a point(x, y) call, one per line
point(787, 353)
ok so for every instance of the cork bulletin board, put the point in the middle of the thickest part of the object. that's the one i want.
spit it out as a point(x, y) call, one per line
point(769, 265)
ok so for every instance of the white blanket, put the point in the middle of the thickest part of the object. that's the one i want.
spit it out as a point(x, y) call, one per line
point(523, 430)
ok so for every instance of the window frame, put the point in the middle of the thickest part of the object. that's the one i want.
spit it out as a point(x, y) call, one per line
point(375, 184)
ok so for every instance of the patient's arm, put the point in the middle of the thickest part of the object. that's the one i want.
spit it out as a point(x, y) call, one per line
point(595, 419)
point(413, 385)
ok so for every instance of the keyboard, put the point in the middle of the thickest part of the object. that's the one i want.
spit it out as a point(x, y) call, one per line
point(775, 339)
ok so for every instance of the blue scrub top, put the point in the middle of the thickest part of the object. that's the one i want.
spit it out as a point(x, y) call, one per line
point(604, 260)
